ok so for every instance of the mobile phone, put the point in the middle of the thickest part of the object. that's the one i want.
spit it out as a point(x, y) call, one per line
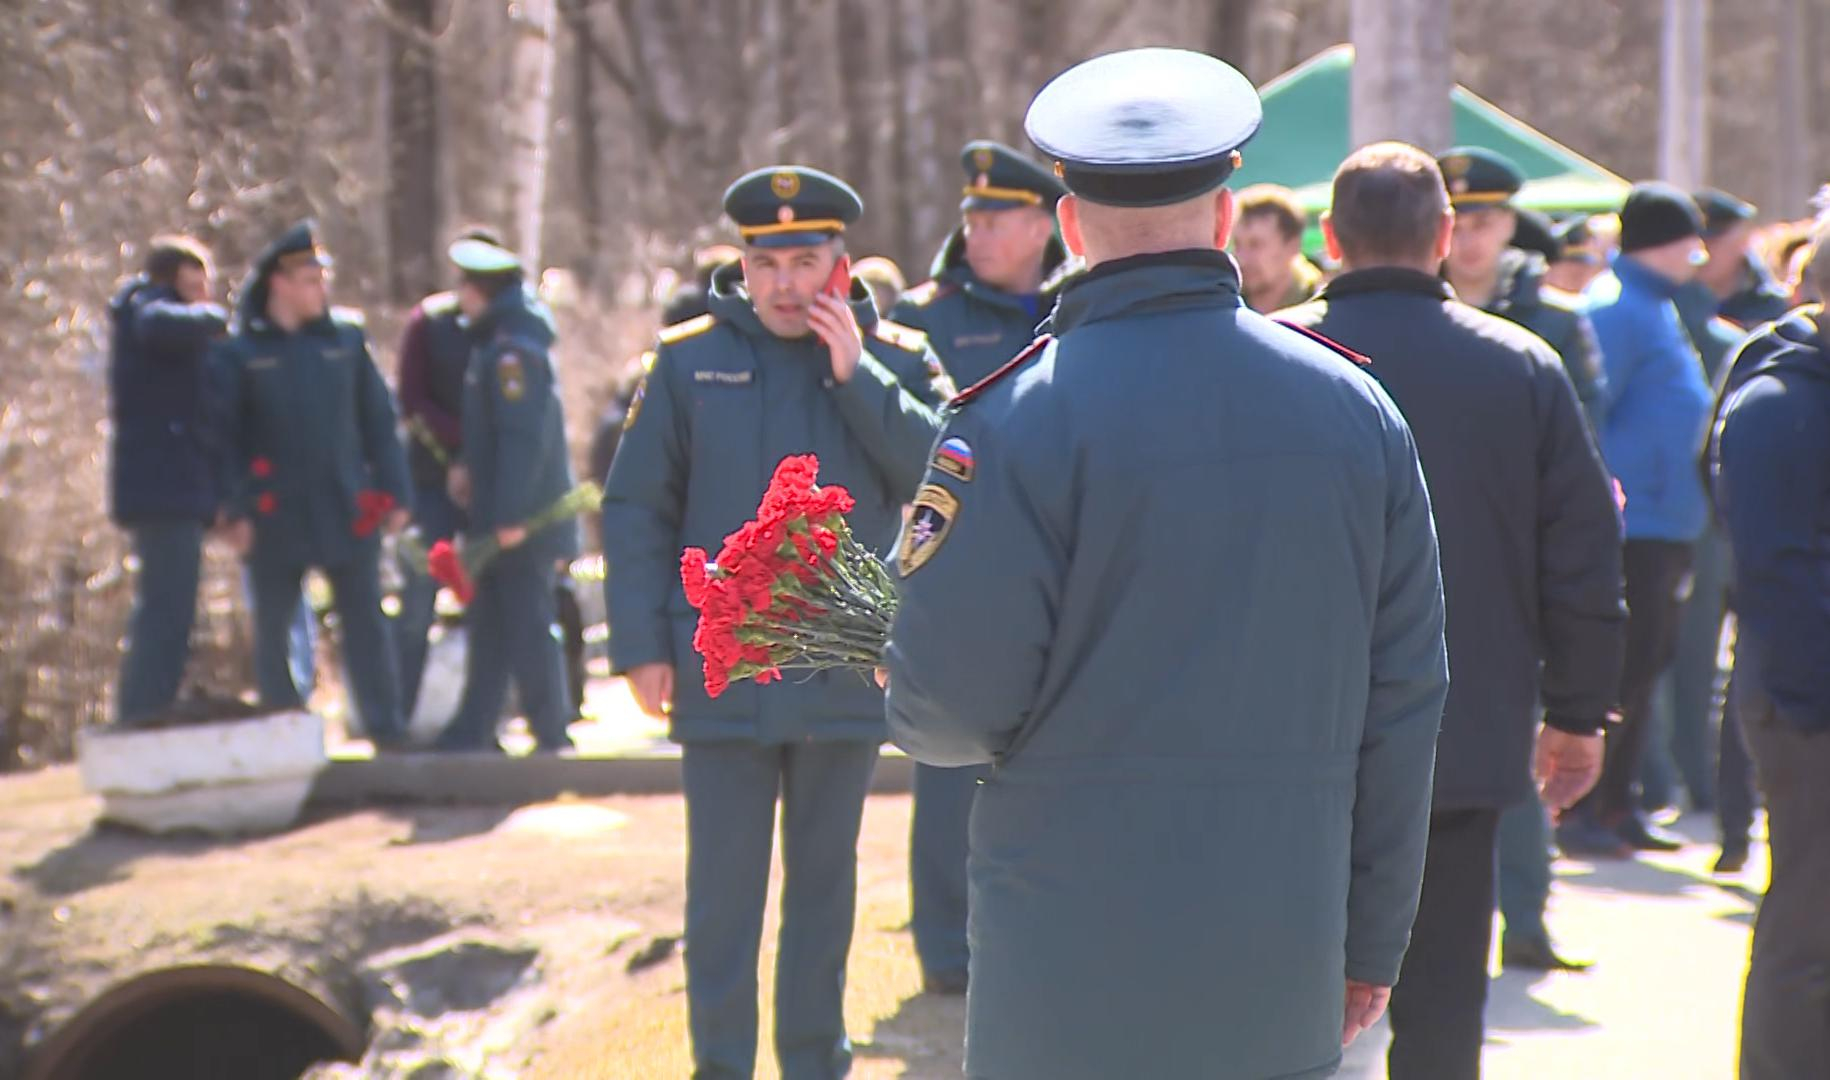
point(838, 285)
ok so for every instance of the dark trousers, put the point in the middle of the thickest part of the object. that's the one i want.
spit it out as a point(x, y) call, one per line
point(1734, 777)
point(437, 518)
point(368, 653)
point(164, 610)
point(1438, 1007)
point(937, 865)
point(513, 634)
point(301, 638)
point(572, 637)
point(1785, 1016)
point(731, 790)
point(1524, 870)
point(1695, 680)
point(1656, 573)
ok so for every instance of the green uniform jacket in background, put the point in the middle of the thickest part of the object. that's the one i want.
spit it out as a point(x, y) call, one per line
point(974, 327)
point(1187, 600)
point(724, 403)
point(514, 425)
point(307, 424)
point(1523, 298)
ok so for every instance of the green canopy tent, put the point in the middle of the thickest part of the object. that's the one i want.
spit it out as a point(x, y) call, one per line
point(1305, 137)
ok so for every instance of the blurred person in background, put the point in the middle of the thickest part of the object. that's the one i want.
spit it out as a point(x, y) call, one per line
point(311, 472)
point(162, 471)
point(1579, 258)
point(515, 463)
point(1658, 407)
point(1268, 246)
point(1492, 272)
point(1736, 273)
point(883, 278)
point(435, 352)
point(992, 279)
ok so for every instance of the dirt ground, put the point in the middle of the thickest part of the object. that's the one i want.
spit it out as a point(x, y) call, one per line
point(595, 883)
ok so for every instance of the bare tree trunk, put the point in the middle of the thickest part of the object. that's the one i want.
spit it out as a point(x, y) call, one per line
point(529, 107)
point(1683, 152)
point(922, 172)
point(1229, 34)
point(1793, 149)
point(584, 117)
point(770, 57)
point(413, 206)
point(861, 98)
point(1401, 73)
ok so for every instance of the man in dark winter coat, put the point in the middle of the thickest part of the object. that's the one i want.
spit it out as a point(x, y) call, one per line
point(1532, 580)
point(1771, 457)
point(312, 472)
point(161, 467)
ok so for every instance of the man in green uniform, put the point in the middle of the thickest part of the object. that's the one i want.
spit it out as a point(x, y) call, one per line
point(780, 365)
point(1268, 246)
point(1173, 574)
point(1489, 272)
point(1748, 292)
point(515, 464)
point(990, 279)
point(312, 471)
point(980, 310)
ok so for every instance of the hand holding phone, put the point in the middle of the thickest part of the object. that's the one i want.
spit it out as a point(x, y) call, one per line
point(838, 284)
point(833, 322)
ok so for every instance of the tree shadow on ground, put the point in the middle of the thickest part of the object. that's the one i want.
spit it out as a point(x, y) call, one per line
point(1511, 1007)
point(1638, 877)
point(925, 1034)
point(105, 854)
point(445, 824)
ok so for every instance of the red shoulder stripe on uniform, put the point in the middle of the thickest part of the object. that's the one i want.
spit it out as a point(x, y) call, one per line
point(1015, 362)
point(1359, 358)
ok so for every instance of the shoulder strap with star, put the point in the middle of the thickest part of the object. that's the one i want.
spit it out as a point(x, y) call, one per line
point(1029, 353)
point(929, 291)
point(903, 337)
point(680, 331)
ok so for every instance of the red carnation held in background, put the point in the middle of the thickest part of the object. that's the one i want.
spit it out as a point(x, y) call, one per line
point(791, 589)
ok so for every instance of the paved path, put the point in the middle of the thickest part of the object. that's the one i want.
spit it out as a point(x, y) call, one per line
point(1663, 1001)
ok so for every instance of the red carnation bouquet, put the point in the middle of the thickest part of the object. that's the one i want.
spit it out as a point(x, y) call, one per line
point(791, 589)
point(456, 565)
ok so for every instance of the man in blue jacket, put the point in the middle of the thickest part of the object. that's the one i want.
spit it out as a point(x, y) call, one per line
point(1658, 409)
point(778, 366)
point(1772, 485)
point(312, 471)
point(162, 470)
point(1173, 575)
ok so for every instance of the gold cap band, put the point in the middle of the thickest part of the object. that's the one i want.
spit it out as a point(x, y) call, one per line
point(831, 225)
point(1481, 198)
point(293, 259)
point(1010, 194)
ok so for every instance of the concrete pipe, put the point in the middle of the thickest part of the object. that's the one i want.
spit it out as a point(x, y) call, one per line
point(206, 1020)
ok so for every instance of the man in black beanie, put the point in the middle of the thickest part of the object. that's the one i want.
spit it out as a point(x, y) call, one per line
point(1659, 404)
